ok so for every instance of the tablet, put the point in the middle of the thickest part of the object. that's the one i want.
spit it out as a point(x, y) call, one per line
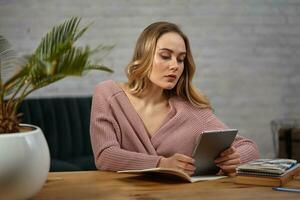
point(210, 145)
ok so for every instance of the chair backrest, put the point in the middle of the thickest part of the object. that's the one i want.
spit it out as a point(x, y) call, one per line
point(65, 122)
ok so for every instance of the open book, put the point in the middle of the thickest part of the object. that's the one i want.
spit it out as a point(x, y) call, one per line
point(178, 173)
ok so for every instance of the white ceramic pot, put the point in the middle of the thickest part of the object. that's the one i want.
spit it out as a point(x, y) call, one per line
point(24, 163)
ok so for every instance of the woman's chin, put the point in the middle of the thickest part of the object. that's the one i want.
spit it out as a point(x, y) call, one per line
point(169, 86)
point(165, 85)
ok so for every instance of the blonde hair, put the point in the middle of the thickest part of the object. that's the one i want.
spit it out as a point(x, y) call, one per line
point(140, 66)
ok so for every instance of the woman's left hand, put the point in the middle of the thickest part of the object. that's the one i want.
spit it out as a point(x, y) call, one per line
point(228, 161)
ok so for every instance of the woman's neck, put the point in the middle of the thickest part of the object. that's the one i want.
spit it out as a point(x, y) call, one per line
point(152, 95)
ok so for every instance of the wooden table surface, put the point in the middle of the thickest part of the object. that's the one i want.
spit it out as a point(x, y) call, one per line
point(94, 185)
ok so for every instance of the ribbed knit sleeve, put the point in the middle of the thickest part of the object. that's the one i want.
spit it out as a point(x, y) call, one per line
point(106, 135)
point(247, 148)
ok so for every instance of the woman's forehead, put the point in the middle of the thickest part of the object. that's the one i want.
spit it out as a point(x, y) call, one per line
point(172, 42)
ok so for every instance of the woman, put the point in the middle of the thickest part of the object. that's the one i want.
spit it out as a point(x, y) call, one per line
point(155, 118)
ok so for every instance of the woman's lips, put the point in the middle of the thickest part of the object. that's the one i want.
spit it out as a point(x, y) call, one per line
point(171, 76)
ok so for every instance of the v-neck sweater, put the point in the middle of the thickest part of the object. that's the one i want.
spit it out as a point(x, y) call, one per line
point(120, 140)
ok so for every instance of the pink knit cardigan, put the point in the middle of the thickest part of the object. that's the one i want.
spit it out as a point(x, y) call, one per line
point(120, 140)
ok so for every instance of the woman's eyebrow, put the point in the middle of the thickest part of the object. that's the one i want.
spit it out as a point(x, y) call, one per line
point(170, 50)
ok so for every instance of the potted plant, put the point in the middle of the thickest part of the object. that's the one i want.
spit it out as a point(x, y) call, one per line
point(24, 153)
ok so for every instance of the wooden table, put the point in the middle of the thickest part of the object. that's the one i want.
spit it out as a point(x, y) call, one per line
point(94, 185)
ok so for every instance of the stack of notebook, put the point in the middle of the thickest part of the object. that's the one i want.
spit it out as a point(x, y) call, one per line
point(267, 172)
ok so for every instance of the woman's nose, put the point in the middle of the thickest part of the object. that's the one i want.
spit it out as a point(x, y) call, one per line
point(174, 65)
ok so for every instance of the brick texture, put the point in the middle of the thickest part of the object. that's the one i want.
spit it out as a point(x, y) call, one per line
point(247, 52)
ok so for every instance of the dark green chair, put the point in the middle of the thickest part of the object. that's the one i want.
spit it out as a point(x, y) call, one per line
point(65, 123)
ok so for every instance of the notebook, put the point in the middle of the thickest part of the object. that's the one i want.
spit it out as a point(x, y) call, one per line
point(267, 172)
point(266, 167)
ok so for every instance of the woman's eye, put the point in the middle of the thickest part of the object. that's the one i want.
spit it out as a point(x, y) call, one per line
point(180, 60)
point(165, 57)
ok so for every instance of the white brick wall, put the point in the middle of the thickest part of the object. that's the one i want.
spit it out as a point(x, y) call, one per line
point(247, 51)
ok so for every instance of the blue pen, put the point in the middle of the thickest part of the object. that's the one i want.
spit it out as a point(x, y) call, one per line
point(286, 189)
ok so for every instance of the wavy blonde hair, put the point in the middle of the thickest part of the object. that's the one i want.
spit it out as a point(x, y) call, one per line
point(139, 69)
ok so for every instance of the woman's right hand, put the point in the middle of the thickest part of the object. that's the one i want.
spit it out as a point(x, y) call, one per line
point(179, 161)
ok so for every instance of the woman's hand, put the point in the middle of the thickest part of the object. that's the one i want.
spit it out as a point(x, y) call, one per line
point(179, 161)
point(228, 161)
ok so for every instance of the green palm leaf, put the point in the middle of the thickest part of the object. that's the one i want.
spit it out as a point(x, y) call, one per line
point(59, 39)
point(10, 65)
point(7, 57)
point(55, 58)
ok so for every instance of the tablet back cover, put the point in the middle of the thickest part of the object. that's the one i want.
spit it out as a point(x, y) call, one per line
point(210, 145)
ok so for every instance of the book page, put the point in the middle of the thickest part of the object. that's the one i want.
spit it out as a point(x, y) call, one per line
point(175, 172)
point(206, 178)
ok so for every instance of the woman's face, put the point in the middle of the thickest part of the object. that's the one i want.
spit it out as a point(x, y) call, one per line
point(168, 62)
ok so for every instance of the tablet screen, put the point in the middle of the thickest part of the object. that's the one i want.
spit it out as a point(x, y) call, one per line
point(210, 145)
